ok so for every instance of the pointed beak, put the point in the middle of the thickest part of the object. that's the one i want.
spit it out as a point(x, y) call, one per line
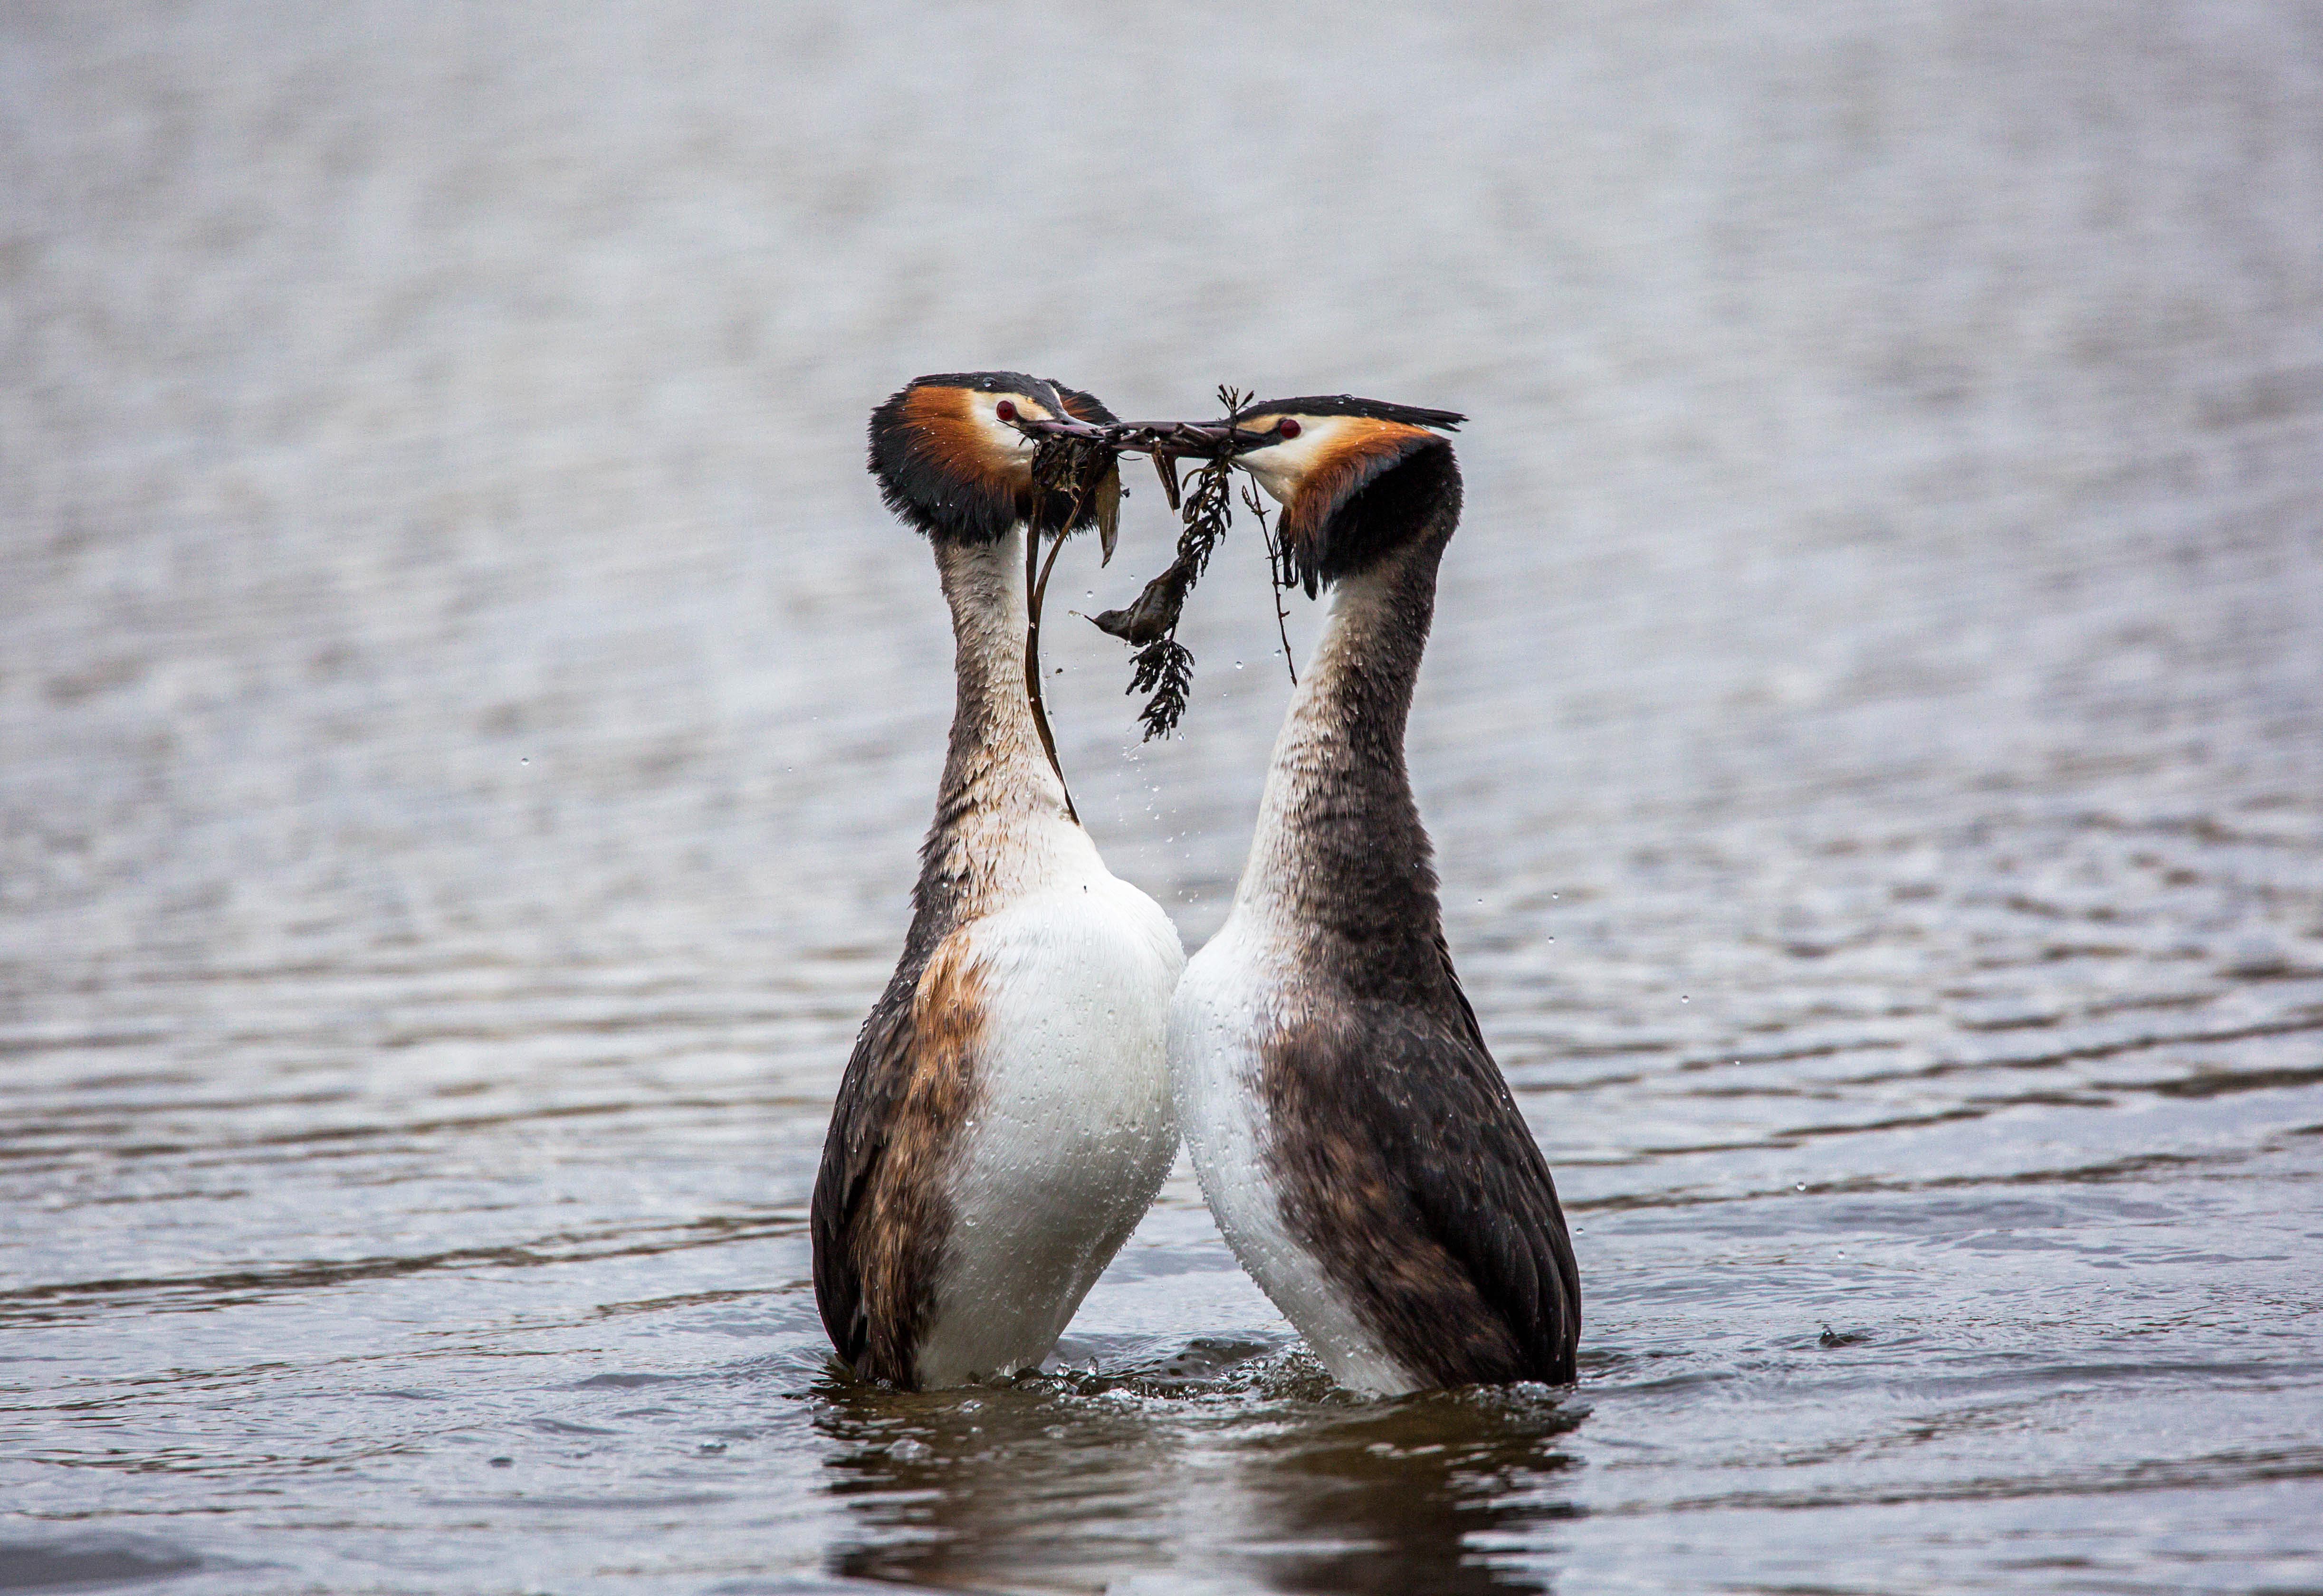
point(1165, 442)
point(1168, 442)
point(1204, 440)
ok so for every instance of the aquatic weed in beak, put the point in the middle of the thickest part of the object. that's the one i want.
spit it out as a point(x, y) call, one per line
point(1163, 667)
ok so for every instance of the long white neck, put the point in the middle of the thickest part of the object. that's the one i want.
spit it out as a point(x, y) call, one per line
point(1000, 811)
point(1340, 843)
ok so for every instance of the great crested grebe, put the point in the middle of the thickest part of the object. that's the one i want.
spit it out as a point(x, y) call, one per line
point(1356, 1143)
point(1006, 1118)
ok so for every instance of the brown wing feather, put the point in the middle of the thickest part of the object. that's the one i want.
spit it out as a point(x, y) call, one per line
point(881, 1215)
point(1406, 1168)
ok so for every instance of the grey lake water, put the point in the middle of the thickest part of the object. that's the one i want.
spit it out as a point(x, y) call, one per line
point(467, 721)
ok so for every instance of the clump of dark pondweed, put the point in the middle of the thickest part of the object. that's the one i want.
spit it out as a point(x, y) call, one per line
point(1164, 667)
point(1074, 479)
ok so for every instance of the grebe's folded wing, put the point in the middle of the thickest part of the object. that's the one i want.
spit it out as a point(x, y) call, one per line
point(1407, 1169)
point(1479, 1177)
point(869, 1094)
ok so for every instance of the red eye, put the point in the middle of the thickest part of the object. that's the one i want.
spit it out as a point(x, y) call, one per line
point(1006, 409)
point(1290, 427)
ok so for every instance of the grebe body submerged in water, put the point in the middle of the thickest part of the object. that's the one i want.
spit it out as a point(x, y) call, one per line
point(1006, 1118)
point(1352, 1135)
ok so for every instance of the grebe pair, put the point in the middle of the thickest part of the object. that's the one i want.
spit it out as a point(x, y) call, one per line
point(1015, 1098)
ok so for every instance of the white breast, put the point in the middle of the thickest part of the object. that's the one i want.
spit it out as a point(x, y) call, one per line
point(1231, 998)
point(1074, 1129)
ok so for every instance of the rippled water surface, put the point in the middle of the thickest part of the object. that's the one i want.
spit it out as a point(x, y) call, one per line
point(466, 723)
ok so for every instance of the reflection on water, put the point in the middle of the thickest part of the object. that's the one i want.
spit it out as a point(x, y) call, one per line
point(466, 723)
point(978, 1492)
point(1413, 1499)
point(1075, 1482)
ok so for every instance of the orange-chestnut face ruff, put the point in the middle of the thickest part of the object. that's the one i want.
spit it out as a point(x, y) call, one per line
point(949, 461)
point(1356, 477)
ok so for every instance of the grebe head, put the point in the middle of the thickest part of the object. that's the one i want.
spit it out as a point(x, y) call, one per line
point(1356, 477)
point(949, 461)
